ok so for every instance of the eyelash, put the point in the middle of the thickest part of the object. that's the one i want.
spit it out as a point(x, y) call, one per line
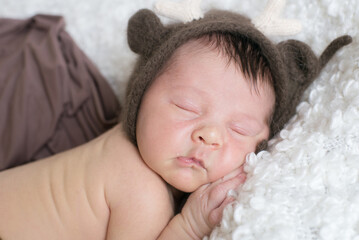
point(240, 132)
point(185, 108)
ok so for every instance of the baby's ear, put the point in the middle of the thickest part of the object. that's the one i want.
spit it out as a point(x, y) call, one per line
point(144, 32)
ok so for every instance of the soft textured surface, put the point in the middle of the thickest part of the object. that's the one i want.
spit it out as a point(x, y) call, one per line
point(307, 185)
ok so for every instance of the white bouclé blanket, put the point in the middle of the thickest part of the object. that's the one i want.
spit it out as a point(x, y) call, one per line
point(306, 186)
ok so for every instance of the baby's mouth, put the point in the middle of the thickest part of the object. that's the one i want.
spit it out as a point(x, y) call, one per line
point(191, 161)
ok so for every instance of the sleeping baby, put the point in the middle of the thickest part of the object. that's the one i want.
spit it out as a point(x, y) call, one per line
point(203, 95)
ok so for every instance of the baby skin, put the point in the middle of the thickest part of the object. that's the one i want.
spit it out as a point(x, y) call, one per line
point(191, 138)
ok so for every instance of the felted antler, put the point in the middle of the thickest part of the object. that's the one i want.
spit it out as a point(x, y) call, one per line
point(185, 11)
point(270, 23)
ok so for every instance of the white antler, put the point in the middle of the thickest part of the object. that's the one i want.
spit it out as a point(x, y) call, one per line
point(270, 23)
point(186, 10)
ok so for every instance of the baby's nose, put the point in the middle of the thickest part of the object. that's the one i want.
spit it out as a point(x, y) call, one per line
point(209, 135)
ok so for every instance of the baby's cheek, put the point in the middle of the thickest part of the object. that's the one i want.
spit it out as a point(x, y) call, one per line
point(248, 146)
point(235, 158)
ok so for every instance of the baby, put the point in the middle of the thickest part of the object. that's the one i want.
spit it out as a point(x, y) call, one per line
point(203, 95)
point(189, 134)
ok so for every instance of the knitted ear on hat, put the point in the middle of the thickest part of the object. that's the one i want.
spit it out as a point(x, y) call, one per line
point(303, 67)
point(144, 32)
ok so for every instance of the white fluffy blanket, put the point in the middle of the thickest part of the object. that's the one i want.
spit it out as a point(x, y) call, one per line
point(307, 185)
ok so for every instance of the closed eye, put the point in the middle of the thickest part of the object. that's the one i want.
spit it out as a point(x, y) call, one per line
point(188, 107)
point(244, 129)
point(240, 131)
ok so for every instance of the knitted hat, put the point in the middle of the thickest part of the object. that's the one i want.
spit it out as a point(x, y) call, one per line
point(292, 63)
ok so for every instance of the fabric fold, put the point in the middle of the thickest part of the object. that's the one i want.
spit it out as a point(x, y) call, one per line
point(52, 97)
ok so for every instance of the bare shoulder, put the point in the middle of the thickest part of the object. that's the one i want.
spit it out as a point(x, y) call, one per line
point(137, 197)
point(139, 214)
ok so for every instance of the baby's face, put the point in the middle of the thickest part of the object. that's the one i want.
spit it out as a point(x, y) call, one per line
point(200, 118)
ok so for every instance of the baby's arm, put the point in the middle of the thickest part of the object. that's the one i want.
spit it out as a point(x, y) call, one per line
point(203, 209)
point(147, 215)
point(141, 215)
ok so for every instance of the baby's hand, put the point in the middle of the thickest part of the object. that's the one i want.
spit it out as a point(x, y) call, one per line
point(203, 209)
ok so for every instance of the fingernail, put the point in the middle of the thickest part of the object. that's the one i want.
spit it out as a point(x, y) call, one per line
point(232, 193)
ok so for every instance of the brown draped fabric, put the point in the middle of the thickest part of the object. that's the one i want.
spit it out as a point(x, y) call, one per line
point(52, 97)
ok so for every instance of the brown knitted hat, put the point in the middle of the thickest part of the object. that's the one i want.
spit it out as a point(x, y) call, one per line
point(293, 64)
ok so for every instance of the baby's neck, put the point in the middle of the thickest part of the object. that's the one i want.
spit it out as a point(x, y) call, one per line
point(179, 198)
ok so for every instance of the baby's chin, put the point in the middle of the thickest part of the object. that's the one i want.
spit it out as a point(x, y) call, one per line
point(187, 188)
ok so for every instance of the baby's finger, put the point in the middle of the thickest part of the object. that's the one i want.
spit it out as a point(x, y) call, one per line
point(216, 215)
point(234, 173)
point(218, 192)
